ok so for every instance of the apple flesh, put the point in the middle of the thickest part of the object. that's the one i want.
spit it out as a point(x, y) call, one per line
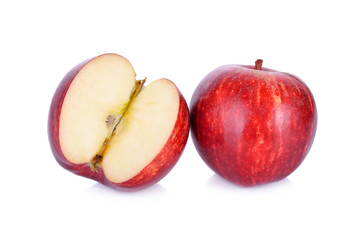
point(252, 125)
point(105, 125)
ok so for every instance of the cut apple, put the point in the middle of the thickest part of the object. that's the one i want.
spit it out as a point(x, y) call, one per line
point(105, 125)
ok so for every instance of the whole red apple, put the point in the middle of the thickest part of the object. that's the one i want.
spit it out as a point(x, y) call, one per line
point(104, 125)
point(252, 125)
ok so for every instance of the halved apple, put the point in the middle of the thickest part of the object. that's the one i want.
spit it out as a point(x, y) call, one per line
point(105, 125)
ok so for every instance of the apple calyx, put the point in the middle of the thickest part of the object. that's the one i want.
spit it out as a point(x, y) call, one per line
point(258, 64)
point(113, 122)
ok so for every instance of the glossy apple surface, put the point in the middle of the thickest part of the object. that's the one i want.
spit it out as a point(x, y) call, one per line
point(252, 125)
point(105, 125)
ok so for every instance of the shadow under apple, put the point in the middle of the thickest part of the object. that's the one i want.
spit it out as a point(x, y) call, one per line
point(216, 181)
point(154, 190)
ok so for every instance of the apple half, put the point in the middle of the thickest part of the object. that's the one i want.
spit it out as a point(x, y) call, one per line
point(105, 125)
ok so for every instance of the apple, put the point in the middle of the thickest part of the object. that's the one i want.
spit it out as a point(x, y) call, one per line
point(105, 125)
point(252, 125)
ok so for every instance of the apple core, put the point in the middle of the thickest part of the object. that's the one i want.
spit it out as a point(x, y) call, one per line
point(113, 122)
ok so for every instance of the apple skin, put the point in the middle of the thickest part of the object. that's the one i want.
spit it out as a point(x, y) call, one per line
point(252, 126)
point(151, 174)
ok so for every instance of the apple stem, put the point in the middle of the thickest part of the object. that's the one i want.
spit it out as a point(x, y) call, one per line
point(258, 64)
point(115, 121)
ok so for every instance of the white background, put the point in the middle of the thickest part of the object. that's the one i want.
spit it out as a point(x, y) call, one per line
point(319, 41)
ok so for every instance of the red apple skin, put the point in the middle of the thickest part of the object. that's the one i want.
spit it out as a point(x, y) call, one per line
point(151, 174)
point(252, 126)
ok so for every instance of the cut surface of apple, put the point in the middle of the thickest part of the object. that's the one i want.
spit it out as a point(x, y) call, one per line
point(143, 131)
point(101, 88)
point(109, 122)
